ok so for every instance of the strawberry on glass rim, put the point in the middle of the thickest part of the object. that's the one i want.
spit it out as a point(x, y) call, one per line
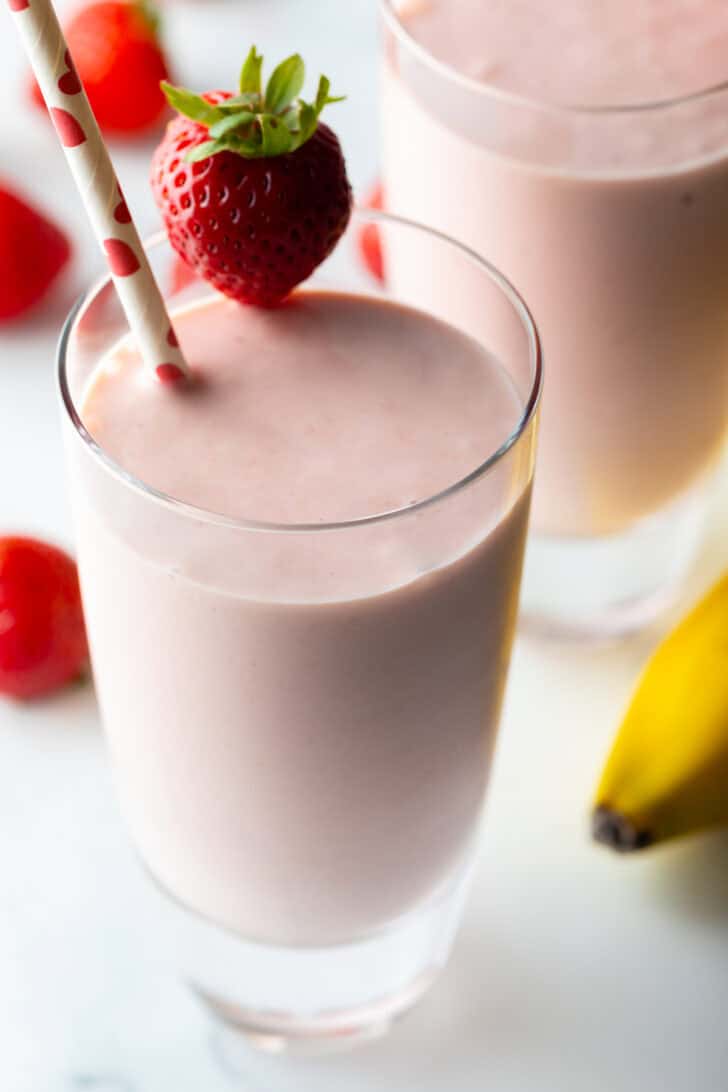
point(252, 187)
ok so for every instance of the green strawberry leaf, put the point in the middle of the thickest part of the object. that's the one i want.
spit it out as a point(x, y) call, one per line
point(323, 98)
point(204, 150)
point(251, 74)
point(307, 124)
point(231, 122)
point(191, 104)
point(285, 84)
point(276, 138)
point(249, 148)
point(253, 124)
point(291, 117)
point(247, 101)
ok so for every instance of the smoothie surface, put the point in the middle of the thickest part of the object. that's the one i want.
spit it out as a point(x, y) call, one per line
point(576, 53)
point(331, 407)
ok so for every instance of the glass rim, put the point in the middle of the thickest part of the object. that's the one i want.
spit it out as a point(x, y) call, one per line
point(202, 514)
point(512, 98)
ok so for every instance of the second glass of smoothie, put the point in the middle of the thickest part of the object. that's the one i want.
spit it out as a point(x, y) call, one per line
point(300, 576)
point(584, 149)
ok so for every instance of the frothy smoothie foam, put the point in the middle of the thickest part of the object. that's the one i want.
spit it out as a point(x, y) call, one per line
point(293, 410)
point(302, 737)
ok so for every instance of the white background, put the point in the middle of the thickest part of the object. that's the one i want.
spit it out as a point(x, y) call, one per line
point(574, 970)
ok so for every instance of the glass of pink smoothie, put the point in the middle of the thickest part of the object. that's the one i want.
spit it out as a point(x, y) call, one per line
point(301, 576)
point(583, 148)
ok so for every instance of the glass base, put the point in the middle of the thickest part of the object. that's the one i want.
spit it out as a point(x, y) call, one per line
point(604, 588)
point(287, 1000)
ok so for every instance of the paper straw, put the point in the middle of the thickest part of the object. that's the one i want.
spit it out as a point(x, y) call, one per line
point(99, 187)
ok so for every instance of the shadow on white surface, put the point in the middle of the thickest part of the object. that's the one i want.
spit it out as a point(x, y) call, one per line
point(466, 1036)
point(690, 880)
point(98, 1082)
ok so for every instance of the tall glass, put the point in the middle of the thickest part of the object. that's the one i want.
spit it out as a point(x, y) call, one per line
point(613, 222)
point(303, 772)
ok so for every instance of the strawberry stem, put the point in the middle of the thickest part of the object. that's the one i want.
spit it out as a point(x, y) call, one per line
point(256, 124)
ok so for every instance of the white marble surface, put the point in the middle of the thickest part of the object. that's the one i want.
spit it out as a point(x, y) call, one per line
point(574, 971)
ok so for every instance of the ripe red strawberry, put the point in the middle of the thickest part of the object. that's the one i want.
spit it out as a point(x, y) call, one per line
point(252, 188)
point(116, 50)
point(42, 635)
point(33, 251)
point(370, 244)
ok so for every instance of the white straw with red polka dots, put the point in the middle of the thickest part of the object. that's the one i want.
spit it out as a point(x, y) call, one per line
point(96, 179)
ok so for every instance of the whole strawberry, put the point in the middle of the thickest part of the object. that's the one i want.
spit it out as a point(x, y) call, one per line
point(42, 634)
point(115, 47)
point(252, 188)
point(33, 251)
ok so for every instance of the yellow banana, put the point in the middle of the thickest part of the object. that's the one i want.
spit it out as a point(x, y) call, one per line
point(667, 774)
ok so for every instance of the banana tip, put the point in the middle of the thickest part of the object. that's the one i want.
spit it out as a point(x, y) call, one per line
point(611, 828)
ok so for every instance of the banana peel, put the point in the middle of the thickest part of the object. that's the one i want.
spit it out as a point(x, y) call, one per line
point(667, 774)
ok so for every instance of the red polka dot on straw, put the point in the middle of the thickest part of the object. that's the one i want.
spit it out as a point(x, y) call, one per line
point(68, 129)
point(121, 212)
point(69, 82)
point(172, 338)
point(169, 373)
point(93, 171)
point(121, 258)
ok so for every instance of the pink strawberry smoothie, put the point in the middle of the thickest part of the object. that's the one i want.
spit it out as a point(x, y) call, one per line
point(613, 225)
point(301, 723)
